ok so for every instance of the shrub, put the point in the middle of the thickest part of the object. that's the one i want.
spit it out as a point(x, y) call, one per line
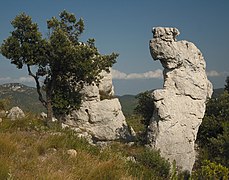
point(213, 134)
point(153, 160)
point(211, 170)
point(145, 107)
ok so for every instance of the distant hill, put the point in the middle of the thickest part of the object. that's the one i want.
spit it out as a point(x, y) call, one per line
point(128, 102)
point(21, 95)
point(217, 92)
point(27, 99)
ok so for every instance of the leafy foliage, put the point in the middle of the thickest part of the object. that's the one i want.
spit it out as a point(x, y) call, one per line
point(211, 170)
point(213, 135)
point(65, 63)
point(145, 106)
point(153, 160)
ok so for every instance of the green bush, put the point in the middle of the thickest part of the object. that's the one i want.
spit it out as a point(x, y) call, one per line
point(211, 170)
point(145, 107)
point(213, 134)
point(153, 160)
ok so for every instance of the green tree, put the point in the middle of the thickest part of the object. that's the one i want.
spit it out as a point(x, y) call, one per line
point(145, 106)
point(61, 61)
point(213, 134)
point(144, 110)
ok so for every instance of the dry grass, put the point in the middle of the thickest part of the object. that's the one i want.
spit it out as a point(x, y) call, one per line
point(30, 151)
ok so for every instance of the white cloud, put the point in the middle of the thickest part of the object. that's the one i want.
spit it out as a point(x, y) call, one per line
point(26, 79)
point(23, 79)
point(5, 79)
point(116, 74)
point(213, 73)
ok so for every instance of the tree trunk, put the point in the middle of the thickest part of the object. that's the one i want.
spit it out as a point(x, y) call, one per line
point(49, 106)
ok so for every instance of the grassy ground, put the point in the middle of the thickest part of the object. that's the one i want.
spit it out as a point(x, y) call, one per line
point(29, 150)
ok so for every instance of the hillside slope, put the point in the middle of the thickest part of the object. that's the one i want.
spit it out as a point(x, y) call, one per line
point(21, 95)
point(27, 99)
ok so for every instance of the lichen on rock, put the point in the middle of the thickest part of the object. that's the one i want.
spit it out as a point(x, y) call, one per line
point(180, 105)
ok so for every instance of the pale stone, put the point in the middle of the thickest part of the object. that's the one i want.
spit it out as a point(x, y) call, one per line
point(15, 113)
point(99, 120)
point(72, 153)
point(44, 116)
point(180, 105)
point(102, 120)
point(105, 84)
point(0, 120)
point(90, 92)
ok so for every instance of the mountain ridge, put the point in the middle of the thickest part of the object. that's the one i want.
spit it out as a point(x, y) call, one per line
point(27, 99)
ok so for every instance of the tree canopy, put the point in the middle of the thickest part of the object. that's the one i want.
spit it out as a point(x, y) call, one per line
point(145, 106)
point(62, 63)
point(213, 134)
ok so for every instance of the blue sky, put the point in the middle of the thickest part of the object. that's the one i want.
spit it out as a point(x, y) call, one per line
point(124, 27)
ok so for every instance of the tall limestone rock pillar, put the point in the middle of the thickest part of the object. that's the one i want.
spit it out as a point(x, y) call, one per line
point(180, 105)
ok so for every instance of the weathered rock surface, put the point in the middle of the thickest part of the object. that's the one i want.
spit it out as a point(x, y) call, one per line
point(15, 113)
point(99, 119)
point(180, 105)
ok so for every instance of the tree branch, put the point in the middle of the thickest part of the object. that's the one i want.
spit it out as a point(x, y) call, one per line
point(36, 78)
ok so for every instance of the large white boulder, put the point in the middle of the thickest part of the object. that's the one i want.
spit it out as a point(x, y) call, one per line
point(180, 105)
point(99, 119)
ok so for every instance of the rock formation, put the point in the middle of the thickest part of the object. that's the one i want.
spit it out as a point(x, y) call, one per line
point(100, 118)
point(15, 113)
point(180, 105)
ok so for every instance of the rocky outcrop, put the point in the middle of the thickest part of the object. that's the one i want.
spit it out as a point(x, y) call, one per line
point(15, 113)
point(180, 105)
point(100, 118)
